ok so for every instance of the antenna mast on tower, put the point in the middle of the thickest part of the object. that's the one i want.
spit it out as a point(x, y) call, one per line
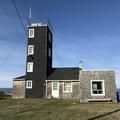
point(30, 15)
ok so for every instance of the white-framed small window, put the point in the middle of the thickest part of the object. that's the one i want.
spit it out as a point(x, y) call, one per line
point(97, 88)
point(67, 87)
point(55, 86)
point(49, 52)
point(30, 49)
point(29, 84)
point(31, 33)
point(30, 67)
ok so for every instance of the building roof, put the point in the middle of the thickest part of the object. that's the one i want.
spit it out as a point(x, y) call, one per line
point(20, 78)
point(64, 74)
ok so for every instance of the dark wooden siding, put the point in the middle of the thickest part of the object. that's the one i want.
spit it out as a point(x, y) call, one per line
point(41, 62)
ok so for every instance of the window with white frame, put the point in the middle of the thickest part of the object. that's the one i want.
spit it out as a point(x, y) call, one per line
point(30, 49)
point(97, 88)
point(67, 87)
point(29, 84)
point(49, 52)
point(31, 33)
point(30, 67)
point(55, 85)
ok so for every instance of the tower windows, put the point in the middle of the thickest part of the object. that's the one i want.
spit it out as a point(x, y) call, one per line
point(31, 33)
point(49, 52)
point(29, 84)
point(50, 38)
point(30, 49)
point(30, 67)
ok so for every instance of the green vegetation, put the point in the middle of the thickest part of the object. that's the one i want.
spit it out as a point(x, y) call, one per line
point(38, 109)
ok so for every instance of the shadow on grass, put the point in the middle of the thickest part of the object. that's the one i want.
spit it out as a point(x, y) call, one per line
point(103, 115)
point(19, 112)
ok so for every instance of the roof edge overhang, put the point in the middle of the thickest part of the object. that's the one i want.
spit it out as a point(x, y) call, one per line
point(19, 78)
point(61, 80)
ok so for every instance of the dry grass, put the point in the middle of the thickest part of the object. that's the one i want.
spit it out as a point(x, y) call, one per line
point(38, 109)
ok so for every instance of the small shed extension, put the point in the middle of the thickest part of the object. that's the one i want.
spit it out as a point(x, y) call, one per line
point(19, 87)
point(98, 85)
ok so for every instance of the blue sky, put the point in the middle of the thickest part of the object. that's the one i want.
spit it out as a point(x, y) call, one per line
point(87, 30)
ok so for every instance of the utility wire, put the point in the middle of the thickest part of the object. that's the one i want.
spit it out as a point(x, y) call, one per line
point(7, 57)
point(17, 43)
point(9, 17)
point(19, 16)
point(15, 46)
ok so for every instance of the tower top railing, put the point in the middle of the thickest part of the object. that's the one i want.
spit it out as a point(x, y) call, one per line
point(41, 21)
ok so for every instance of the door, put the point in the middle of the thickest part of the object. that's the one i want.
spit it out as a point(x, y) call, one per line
point(55, 89)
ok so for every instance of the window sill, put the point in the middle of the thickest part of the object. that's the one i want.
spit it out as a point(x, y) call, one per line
point(97, 94)
point(67, 91)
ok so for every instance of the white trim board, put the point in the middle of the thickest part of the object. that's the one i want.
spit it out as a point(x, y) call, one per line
point(102, 86)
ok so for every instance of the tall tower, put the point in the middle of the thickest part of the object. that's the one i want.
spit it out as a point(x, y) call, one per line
point(39, 59)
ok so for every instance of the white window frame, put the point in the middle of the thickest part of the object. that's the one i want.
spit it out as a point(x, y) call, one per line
point(29, 82)
point(53, 86)
point(30, 67)
point(64, 87)
point(30, 48)
point(103, 86)
point(31, 35)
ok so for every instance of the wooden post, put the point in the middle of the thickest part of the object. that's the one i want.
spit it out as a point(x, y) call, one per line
point(46, 89)
point(80, 77)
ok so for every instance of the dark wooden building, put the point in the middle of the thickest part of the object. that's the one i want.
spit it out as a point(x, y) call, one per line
point(39, 60)
point(44, 81)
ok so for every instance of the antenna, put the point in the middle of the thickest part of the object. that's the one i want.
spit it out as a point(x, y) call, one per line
point(30, 15)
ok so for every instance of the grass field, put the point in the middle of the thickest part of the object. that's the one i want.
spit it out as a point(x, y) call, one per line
point(38, 109)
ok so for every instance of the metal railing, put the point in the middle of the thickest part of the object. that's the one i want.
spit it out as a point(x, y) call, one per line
point(42, 21)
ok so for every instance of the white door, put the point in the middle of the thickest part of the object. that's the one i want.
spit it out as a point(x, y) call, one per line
point(55, 89)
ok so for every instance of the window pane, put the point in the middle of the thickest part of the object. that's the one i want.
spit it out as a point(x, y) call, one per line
point(30, 49)
point(49, 52)
point(31, 33)
point(55, 86)
point(67, 86)
point(30, 67)
point(29, 84)
point(97, 87)
point(94, 86)
point(49, 37)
